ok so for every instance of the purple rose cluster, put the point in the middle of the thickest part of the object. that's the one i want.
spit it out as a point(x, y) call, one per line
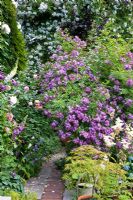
point(64, 66)
point(128, 66)
point(78, 122)
point(2, 86)
point(19, 129)
point(6, 87)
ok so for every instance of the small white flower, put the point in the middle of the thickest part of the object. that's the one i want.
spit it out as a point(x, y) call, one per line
point(108, 140)
point(37, 101)
point(29, 145)
point(15, 3)
point(103, 166)
point(125, 144)
point(13, 100)
point(129, 131)
point(30, 103)
point(106, 158)
point(118, 125)
point(5, 28)
point(35, 76)
point(43, 7)
point(57, 2)
point(19, 25)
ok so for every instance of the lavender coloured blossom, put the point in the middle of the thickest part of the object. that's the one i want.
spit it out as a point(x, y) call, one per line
point(128, 67)
point(54, 124)
point(2, 87)
point(2, 76)
point(129, 82)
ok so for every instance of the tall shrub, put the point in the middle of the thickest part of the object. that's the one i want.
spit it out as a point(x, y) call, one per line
point(12, 46)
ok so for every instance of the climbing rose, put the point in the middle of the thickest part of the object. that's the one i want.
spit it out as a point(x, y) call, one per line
point(9, 116)
point(5, 28)
point(26, 88)
point(129, 82)
point(13, 100)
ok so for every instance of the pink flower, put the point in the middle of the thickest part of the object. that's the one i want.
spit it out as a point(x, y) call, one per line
point(7, 130)
point(129, 82)
point(35, 76)
point(26, 88)
point(8, 87)
point(9, 116)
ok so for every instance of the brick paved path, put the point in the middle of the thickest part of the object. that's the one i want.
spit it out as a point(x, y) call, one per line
point(48, 185)
point(54, 188)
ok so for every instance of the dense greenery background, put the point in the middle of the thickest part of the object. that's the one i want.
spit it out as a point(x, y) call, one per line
point(66, 68)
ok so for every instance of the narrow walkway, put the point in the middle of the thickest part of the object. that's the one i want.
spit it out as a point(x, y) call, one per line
point(48, 185)
point(54, 188)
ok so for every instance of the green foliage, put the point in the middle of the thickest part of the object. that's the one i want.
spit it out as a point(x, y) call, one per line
point(18, 196)
point(105, 58)
point(12, 46)
point(8, 179)
point(88, 165)
point(37, 136)
point(115, 16)
point(106, 62)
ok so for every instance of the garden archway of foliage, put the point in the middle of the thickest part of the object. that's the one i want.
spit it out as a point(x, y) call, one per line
point(69, 94)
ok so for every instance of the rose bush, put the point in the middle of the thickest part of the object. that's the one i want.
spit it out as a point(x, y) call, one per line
point(80, 106)
point(8, 128)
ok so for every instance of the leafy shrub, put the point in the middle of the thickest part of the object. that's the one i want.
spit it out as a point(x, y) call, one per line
point(112, 62)
point(48, 17)
point(12, 42)
point(11, 181)
point(76, 16)
point(19, 196)
point(88, 165)
point(117, 15)
point(84, 110)
point(8, 177)
point(37, 136)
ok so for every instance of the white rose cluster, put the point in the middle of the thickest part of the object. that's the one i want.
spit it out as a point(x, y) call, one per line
point(109, 140)
point(13, 100)
point(5, 28)
point(15, 3)
point(43, 7)
point(118, 125)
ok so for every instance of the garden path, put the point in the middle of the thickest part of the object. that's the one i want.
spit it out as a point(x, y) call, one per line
point(48, 185)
